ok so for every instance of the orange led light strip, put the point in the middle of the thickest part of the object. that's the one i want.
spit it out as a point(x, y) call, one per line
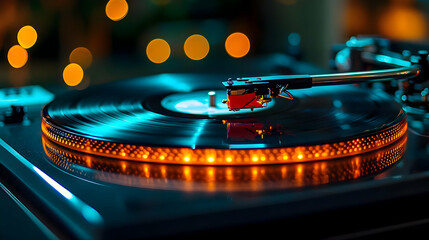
point(224, 177)
point(188, 156)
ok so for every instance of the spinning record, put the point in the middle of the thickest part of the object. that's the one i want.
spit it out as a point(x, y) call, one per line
point(172, 118)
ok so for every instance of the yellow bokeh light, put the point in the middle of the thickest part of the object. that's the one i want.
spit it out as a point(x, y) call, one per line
point(17, 56)
point(116, 9)
point(81, 56)
point(237, 45)
point(73, 74)
point(158, 50)
point(196, 47)
point(27, 36)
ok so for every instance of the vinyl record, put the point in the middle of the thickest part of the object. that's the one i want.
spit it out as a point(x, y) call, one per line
point(168, 118)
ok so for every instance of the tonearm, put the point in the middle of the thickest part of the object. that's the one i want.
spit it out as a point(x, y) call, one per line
point(256, 92)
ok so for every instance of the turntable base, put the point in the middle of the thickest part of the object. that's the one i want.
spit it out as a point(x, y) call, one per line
point(130, 195)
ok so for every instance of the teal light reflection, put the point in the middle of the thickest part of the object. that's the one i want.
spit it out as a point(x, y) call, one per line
point(90, 214)
point(173, 82)
point(66, 193)
point(198, 133)
point(247, 146)
point(391, 60)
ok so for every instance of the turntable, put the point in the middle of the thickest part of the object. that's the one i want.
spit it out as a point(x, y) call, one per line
point(166, 155)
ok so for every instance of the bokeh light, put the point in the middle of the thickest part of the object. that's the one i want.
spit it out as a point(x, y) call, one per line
point(27, 36)
point(73, 74)
point(237, 45)
point(403, 23)
point(116, 9)
point(196, 47)
point(158, 50)
point(17, 56)
point(81, 56)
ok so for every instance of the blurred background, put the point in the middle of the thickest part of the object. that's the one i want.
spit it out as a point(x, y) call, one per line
point(79, 43)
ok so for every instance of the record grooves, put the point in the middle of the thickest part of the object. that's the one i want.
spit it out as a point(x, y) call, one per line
point(127, 121)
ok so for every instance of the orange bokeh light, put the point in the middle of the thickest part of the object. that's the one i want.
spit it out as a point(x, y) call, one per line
point(116, 9)
point(403, 23)
point(237, 45)
point(73, 74)
point(196, 47)
point(17, 56)
point(27, 36)
point(158, 50)
point(81, 56)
